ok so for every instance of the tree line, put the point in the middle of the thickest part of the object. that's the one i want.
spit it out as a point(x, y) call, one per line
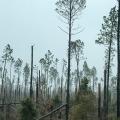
point(44, 86)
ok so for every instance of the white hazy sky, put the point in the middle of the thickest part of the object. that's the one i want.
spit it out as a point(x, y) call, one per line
point(27, 22)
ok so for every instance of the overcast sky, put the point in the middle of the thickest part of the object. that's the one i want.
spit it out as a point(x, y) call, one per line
point(27, 22)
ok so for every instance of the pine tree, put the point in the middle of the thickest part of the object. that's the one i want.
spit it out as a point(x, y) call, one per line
point(77, 50)
point(28, 111)
point(69, 10)
point(107, 38)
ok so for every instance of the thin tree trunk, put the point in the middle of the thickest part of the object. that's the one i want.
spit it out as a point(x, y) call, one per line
point(15, 95)
point(18, 87)
point(93, 82)
point(10, 82)
point(105, 95)
point(99, 101)
point(108, 71)
point(118, 63)
point(78, 77)
point(55, 86)
point(69, 56)
point(31, 79)
point(25, 89)
point(2, 87)
point(39, 81)
point(37, 91)
point(76, 89)
point(61, 87)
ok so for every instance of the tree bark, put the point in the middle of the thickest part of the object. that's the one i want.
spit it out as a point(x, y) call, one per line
point(108, 68)
point(37, 86)
point(78, 77)
point(118, 63)
point(2, 87)
point(31, 78)
point(69, 56)
point(104, 102)
point(99, 101)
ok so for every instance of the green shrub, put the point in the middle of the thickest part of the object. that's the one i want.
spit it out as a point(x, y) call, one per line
point(27, 112)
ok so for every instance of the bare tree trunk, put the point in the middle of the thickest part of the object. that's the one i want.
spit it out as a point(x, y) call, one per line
point(31, 79)
point(37, 86)
point(2, 87)
point(39, 81)
point(25, 90)
point(15, 95)
point(78, 77)
point(61, 87)
point(19, 96)
point(76, 89)
point(99, 101)
point(93, 83)
point(18, 87)
point(105, 117)
point(10, 82)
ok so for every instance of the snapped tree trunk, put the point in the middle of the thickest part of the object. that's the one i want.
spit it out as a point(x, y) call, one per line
point(31, 78)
